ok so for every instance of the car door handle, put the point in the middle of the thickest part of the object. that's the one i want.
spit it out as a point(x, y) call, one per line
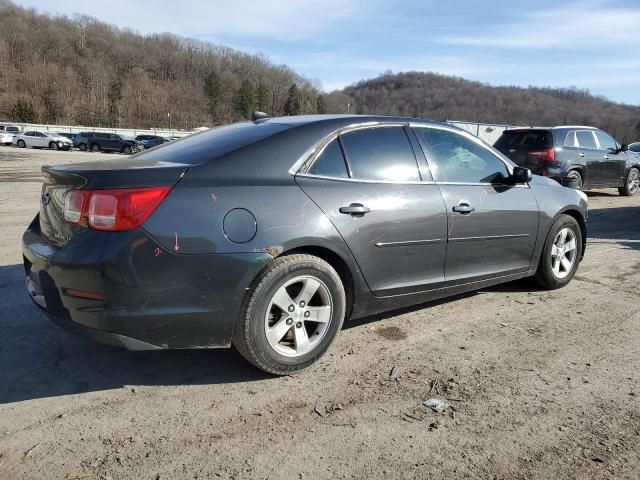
point(464, 208)
point(606, 157)
point(355, 209)
point(581, 154)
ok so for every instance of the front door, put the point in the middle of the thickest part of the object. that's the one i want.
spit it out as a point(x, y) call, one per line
point(492, 226)
point(368, 184)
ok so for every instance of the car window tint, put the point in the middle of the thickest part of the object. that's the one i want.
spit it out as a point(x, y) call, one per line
point(586, 139)
point(458, 159)
point(330, 162)
point(525, 139)
point(606, 142)
point(570, 141)
point(382, 153)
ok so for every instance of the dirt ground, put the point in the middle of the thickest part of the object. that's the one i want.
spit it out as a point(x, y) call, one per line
point(540, 384)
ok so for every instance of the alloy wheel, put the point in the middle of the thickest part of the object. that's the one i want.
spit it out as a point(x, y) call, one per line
point(563, 253)
point(633, 182)
point(298, 316)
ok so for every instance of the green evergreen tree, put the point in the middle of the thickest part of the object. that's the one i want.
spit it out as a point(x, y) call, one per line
point(292, 104)
point(262, 98)
point(321, 105)
point(244, 99)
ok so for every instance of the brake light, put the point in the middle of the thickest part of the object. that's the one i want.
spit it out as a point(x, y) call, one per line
point(547, 155)
point(115, 209)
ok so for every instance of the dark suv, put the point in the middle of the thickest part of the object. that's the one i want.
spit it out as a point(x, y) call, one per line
point(582, 157)
point(107, 142)
point(150, 141)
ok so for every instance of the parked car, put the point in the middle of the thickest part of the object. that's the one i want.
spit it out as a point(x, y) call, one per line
point(107, 142)
point(150, 141)
point(9, 129)
point(584, 156)
point(33, 138)
point(635, 147)
point(71, 136)
point(268, 234)
point(6, 138)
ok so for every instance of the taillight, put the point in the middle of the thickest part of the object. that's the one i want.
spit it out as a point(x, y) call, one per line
point(116, 209)
point(547, 155)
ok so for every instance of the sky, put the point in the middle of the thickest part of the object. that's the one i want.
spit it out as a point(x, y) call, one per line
point(589, 44)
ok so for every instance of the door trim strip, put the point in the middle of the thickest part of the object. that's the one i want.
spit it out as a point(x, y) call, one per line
point(488, 237)
point(408, 243)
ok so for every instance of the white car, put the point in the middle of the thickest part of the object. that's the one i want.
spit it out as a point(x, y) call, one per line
point(6, 138)
point(42, 140)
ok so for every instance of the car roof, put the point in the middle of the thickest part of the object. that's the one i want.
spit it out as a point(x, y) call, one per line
point(348, 119)
point(558, 127)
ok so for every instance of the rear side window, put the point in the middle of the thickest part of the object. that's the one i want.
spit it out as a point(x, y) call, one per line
point(459, 159)
point(606, 142)
point(586, 139)
point(382, 153)
point(330, 162)
point(570, 140)
point(201, 147)
point(525, 139)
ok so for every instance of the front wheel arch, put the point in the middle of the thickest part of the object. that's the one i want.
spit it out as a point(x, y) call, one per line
point(581, 223)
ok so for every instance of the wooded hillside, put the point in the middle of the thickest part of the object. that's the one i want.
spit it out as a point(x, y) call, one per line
point(429, 95)
point(82, 71)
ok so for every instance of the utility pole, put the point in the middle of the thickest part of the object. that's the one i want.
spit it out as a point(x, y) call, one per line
point(348, 107)
point(169, 115)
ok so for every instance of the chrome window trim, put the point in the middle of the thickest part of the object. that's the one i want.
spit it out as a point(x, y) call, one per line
point(357, 180)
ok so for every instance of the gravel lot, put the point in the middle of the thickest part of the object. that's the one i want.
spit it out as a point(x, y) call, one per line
point(541, 384)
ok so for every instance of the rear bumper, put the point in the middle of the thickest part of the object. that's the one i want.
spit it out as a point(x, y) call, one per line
point(147, 297)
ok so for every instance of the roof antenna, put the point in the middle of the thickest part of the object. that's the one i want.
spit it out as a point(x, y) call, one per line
point(255, 116)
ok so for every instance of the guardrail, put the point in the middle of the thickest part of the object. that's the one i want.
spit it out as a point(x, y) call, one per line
point(126, 132)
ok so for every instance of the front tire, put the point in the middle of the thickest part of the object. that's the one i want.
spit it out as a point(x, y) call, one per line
point(83, 147)
point(291, 314)
point(21, 144)
point(561, 253)
point(632, 184)
point(53, 146)
point(127, 150)
point(95, 148)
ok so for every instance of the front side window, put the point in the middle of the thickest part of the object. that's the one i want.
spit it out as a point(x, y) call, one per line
point(606, 142)
point(382, 153)
point(459, 159)
point(586, 139)
point(330, 162)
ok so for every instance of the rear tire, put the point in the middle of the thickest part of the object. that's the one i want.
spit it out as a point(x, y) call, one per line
point(578, 177)
point(561, 253)
point(631, 184)
point(276, 330)
point(95, 147)
point(21, 144)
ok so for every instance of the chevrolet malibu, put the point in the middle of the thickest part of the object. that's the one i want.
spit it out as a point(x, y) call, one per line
point(267, 235)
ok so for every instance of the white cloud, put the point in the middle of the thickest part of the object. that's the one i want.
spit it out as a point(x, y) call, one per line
point(570, 26)
point(269, 19)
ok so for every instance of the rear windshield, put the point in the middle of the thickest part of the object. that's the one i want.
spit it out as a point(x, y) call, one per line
point(213, 143)
point(525, 139)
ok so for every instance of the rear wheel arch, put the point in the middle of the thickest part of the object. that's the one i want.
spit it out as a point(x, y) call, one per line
point(337, 262)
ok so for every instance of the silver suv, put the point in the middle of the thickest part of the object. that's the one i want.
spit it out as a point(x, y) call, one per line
point(580, 157)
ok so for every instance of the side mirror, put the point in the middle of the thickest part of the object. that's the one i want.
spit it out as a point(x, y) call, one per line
point(624, 148)
point(521, 175)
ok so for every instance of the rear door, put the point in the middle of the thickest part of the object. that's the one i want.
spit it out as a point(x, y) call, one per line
point(588, 150)
point(369, 184)
point(613, 162)
point(492, 226)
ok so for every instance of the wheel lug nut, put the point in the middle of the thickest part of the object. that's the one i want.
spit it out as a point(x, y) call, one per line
point(299, 325)
point(289, 321)
point(306, 314)
point(301, 304)
point(291, 308)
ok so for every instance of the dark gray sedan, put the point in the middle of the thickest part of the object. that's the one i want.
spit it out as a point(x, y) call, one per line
point(269, 234)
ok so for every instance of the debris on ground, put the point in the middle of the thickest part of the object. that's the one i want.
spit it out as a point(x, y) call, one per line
point(393, 374)
point(436, 405)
